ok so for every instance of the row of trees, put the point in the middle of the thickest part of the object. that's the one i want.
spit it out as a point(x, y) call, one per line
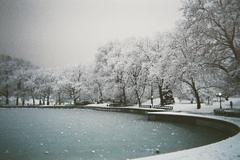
point(22, 81)
point(199, 59)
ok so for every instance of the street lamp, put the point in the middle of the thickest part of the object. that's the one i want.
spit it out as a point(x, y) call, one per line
point(220, 99)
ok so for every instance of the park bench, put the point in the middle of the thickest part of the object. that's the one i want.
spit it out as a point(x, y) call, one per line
point(158, 107)
point(163, 107)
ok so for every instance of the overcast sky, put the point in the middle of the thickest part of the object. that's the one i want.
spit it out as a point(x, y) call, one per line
point(59, 32)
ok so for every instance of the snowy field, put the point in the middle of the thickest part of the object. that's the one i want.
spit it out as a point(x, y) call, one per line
point(186, 106)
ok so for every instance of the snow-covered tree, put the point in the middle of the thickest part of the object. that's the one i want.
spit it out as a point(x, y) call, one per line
point(189, 62)
point(74, 77)
point(107, 71)
point(12, 76)
point(116, 64)
point(161, 64)
point(31, 85)
point(137, 68)
point(45, 81)
point(219, 22)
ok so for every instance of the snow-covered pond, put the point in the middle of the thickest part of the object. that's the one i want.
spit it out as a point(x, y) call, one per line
point(75, 134)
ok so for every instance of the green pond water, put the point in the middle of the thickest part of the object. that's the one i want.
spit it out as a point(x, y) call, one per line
point(77, 134)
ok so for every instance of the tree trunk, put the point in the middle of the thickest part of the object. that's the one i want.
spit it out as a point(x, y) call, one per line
point(33, 100)
point(18, 89)
point(139, 102)
point(196, 94)
point(43, 100)
point(33, 97)
point(124, 96)
point(7, 95)
point(195, 91)
point(197, 99)
point(48, 95)
point(40, 101)
point(48, 102)
point(23, 101)
point(160, 95)
point(235, 50)
point(75, 101)
point(59, 98)
point(74, 96)
point(7, 100)
point(17, 100)
point(138, 98)
point(151, 95)
point(100, 93)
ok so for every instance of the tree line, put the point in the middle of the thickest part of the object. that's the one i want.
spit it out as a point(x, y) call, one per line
point(198, 59)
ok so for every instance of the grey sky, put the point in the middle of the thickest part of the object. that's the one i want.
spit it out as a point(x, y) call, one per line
point(59, 32)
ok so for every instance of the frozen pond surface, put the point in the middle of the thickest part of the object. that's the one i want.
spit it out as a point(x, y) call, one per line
point(74, 134)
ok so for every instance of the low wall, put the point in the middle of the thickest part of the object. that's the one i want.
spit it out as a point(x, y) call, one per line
point(227, 112)
point(161, 115)
point(221, 125)
point(227, 149)
point(124, 109)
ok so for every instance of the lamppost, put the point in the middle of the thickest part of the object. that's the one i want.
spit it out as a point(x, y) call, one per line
point(220, 99)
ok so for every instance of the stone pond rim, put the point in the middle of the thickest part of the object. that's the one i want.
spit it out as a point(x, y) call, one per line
point(228, 147)
point(227, 126)
point(227, 112)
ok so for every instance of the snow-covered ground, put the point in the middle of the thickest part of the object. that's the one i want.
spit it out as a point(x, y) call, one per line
point(98, 105)
point(186, 106)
